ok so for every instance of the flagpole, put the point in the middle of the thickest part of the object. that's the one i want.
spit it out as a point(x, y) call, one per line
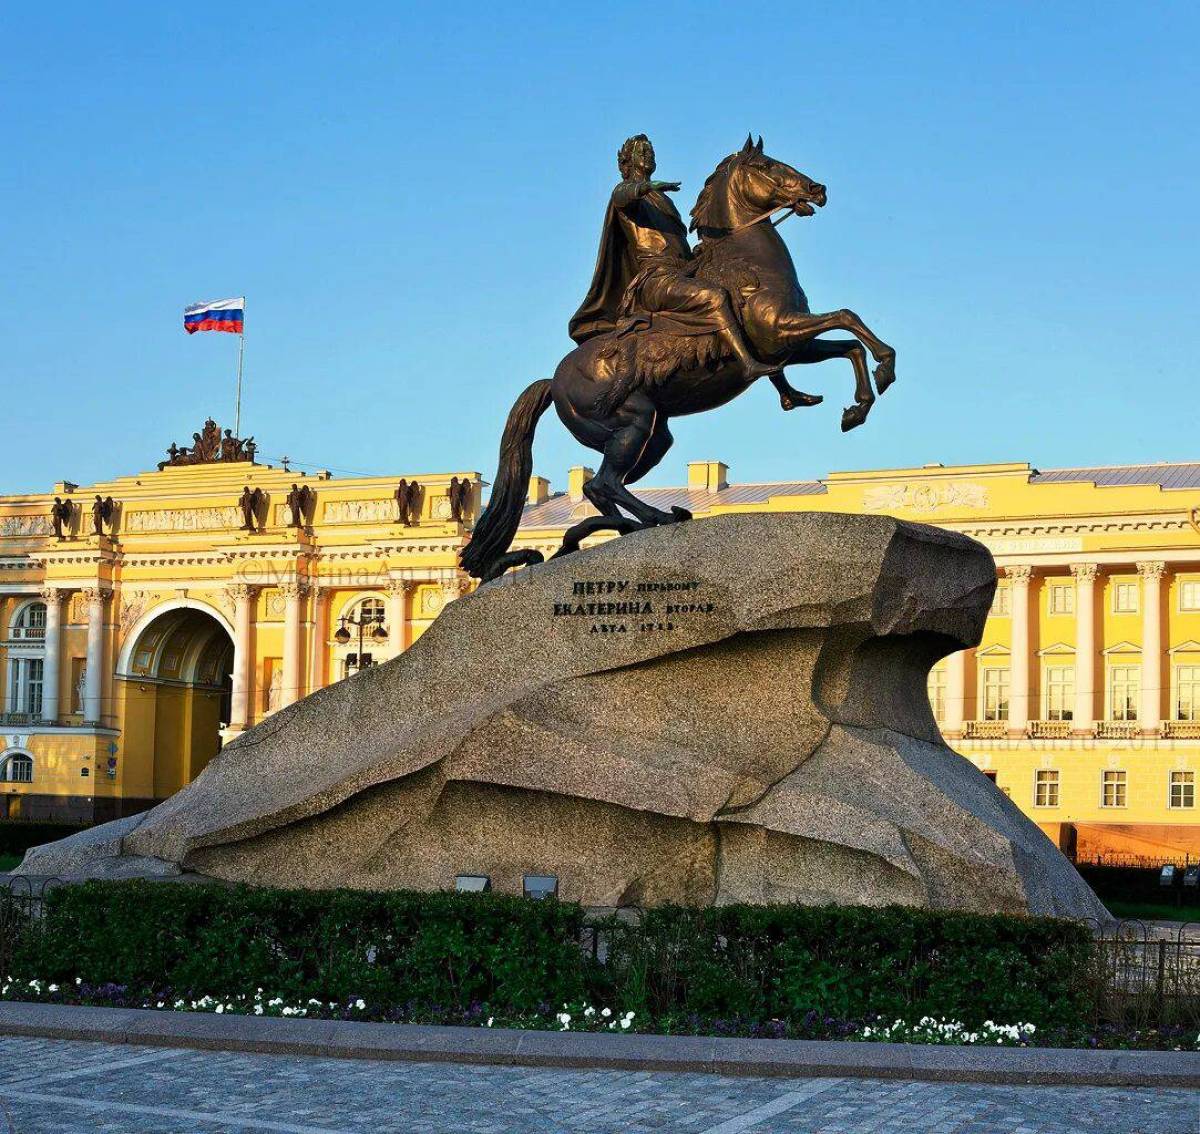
point(237, 413)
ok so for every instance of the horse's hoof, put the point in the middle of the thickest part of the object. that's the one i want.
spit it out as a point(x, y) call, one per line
point(853, 416)
point(681, 514)
point(799, 398)
point(885, 374)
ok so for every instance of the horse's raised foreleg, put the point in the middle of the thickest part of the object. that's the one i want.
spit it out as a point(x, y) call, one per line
point(797, 327)
point(820, 350)
point(789, 396)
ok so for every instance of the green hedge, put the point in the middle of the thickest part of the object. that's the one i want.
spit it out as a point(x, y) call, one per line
point(785, 962)
point(450, 951)
point(17, 836)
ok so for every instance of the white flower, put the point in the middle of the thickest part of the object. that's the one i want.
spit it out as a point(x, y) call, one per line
point(625, 1023)
point(258, 1009)
point(490, 1019)
point(589, 1012)
point(53, 988)
point(220, 1009)
point(360, 1004)
point(606, 1012)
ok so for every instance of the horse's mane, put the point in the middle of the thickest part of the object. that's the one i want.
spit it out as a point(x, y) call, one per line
point(704, 202)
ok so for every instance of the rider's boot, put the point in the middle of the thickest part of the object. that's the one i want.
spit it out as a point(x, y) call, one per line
point(751, 367)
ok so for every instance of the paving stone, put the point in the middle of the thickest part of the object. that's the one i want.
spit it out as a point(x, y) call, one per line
point(51, 1086)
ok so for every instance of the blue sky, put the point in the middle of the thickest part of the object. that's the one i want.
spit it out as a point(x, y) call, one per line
point(410, 198)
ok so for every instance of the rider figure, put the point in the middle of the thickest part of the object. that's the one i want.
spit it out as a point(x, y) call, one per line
point(643, 267)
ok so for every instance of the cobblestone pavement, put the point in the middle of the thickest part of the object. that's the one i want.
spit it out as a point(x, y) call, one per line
point(65, 1086)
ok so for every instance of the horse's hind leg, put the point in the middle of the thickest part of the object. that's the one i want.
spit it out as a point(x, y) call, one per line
point(656, 448)
point(627, 446)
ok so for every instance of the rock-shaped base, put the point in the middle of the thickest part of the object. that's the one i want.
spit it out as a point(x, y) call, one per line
point(731, 709)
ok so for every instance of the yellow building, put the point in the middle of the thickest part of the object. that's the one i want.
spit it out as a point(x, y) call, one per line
point(128, 656)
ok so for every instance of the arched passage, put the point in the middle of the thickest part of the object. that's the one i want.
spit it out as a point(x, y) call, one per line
point(177, 673)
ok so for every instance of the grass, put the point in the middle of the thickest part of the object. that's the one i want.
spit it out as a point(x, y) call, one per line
point(8, 861)
point(1157, 911)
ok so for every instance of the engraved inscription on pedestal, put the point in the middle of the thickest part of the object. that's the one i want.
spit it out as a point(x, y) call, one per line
point(625, 606)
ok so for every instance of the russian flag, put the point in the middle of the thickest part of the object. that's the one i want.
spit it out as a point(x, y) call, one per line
point(216, 315)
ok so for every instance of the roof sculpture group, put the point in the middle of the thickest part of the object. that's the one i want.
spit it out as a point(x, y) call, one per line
point(666, 330)
point(209, 446)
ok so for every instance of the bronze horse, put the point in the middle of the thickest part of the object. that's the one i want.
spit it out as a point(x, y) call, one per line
point(617, 395)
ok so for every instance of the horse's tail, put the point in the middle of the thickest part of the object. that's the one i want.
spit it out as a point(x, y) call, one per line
point(496, 528)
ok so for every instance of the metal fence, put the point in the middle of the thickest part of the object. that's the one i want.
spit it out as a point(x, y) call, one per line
point(1147, 974)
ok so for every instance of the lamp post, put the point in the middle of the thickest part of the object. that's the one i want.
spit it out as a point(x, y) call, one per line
point(379, 634)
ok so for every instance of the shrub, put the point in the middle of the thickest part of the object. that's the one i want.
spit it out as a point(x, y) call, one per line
point(451, 951)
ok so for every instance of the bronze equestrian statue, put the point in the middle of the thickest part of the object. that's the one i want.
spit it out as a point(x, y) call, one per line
point(665, 331)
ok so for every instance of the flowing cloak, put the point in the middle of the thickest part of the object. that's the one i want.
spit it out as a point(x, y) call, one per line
point(616, 267)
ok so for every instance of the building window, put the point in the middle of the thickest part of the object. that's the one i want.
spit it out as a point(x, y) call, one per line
point(995, 693)
point(25, 686)
point(368, 610)
point(1002, 603)
point(1125, 598)
point(1183, 789)
point(1124, 685)
point(1045, 789)
point(30, 623)
point(18, 768)
point(1059, 686)
point(1189, 594)
point(937, 693)
point(1187, 693)
point(1062, 598)
point(1113, 790)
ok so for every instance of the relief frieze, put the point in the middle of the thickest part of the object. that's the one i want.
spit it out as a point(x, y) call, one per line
point(359, 511)
point(184, 519)
point(25, 526)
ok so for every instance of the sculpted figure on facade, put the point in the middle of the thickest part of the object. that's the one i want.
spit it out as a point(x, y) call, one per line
point(667, 330)
point(408, 503)
point(252, 503)
point(60, 517)
point(103, 512)
point(459, 495)
point(300, 501)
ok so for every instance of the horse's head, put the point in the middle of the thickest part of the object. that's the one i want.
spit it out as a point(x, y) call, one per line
point(748, 184)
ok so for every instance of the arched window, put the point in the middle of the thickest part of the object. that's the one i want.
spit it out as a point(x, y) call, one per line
point(17, 768)
point(361, 621)
point(29, 624)
point(367, 610)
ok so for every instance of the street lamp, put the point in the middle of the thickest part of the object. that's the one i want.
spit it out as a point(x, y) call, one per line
point(379, 634)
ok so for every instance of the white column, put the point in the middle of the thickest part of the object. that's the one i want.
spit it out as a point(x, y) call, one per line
point(1018, 674)
point(1084, 718)
point(956, 692)
point(93, 684)
point(398, 627)
point(319, 644)
point(51, 666)
point(243, 657)
point(1150, 710)
point(294, 592)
